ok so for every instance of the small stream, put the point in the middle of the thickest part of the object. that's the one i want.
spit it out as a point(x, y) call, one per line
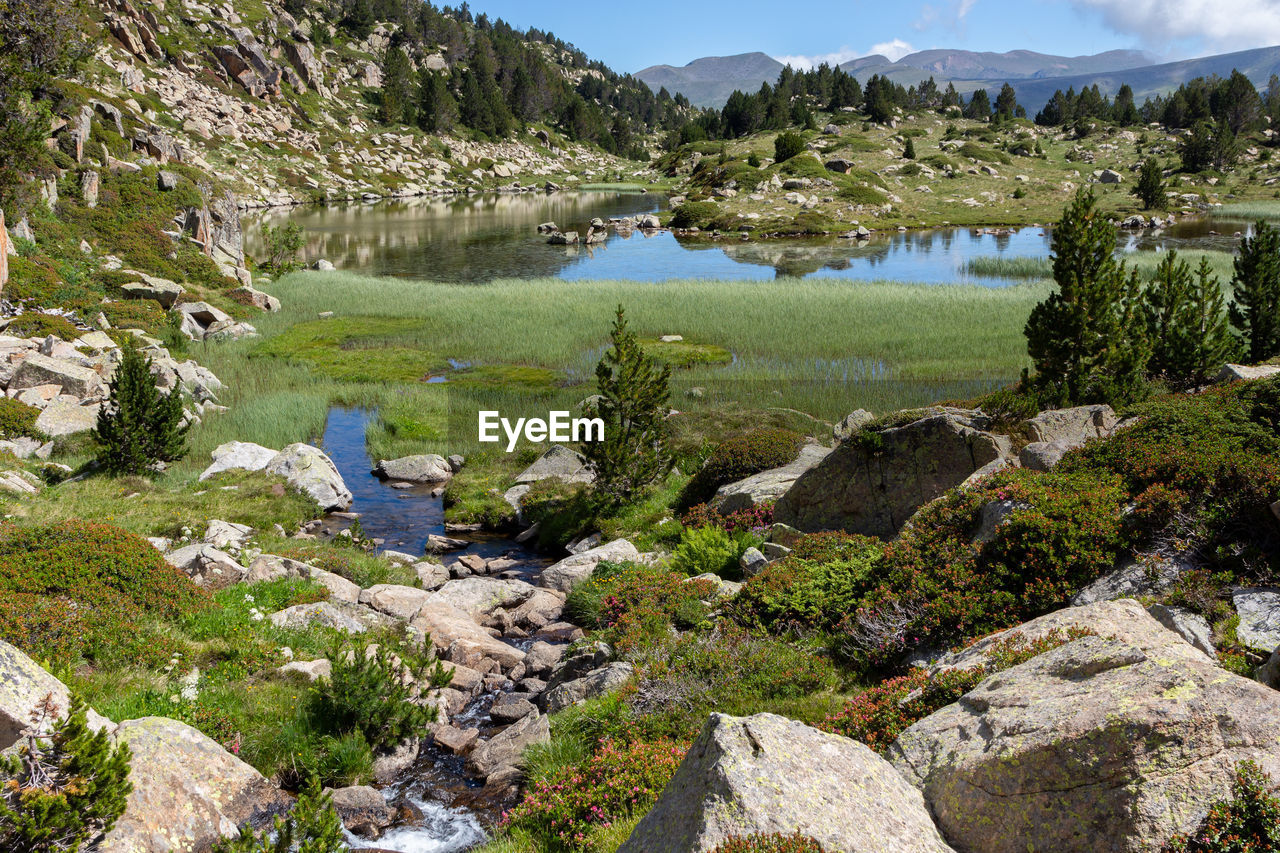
point(454, 809)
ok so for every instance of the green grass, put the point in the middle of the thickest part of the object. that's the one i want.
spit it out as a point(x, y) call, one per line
point(1251, 210)
point(999, 266)
point(821, 347)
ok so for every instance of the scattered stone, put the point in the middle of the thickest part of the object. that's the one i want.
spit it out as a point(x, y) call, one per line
point(362, 810)
point(505, 748)
point(851, 424)
point(309, 470)
point(428, 468)
point(565, 574)
point(557, 462)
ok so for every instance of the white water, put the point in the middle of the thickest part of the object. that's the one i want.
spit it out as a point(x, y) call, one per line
point(443, 830)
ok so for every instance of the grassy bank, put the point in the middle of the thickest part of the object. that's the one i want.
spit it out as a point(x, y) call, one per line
point(822, 347)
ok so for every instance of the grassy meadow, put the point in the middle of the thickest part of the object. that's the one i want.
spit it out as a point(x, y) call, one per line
point(421, 352)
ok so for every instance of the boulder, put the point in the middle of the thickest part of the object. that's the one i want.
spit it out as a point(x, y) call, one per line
point(401, 602)
point(508, 708)
point(851, 424)
point(207, 566)
point(187, 791)
point(480, 596)
point(1191, 627)
point(767, 486)
point(557, 462)
point(362, 810)
point(1109, 176)
point(243, 455)
point(1043, 455)
point(60, 418)
point(37, 369)
point(312, 670)
point(453, 631)
point(256, 298)
point(227, 534)
point(440, 544)
point(751, 562)
point(1245, 373)
point(427, 468)
point(321, 613)
point(161, 290)
point(570, 571)
point(543, 657)
point(539, 610)
point(269, 567)
point(431, 575)
point(504, 749)
point(1096, 739)
point(598, 682)
point(1073, 426)
point(203, 313)
point(24, 684)
point(1146, 576)
point(310, 471)
point(389, 767)
point(872, 487)
point(1259, 609)
point(767, 774)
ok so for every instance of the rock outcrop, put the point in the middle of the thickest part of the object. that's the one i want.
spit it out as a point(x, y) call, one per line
point(427, 468)
point(309, 470)
point(1097, 745)
point(873, 485)
point(571, 571)
point(768, 774)
point(768, 486)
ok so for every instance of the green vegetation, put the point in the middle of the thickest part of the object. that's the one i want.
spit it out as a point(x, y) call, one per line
point(1249, 822)
point(787, 145)
point(283, 244)
point(739, 458)
point(311, 826)
point(139, 426)
point(62, 793)
point(631, 400)
point(17, 419)
point(1150, 186)
point(1255, 310)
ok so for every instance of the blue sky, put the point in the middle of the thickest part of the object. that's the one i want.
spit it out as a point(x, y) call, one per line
point(631, 36)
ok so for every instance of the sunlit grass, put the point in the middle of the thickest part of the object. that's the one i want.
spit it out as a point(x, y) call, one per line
point(1248, 210)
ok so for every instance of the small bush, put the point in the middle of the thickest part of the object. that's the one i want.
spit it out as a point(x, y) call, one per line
point(711, 549)
point(799, 593)
point(136, 314)
point(753, 518)
point(367, 693)
point(34, 325)
point(617, 781)
point(787, 145)
point(695, 214)
point(312, 826)
point(18, 419)
point(632, 605)
point(738, 458)
point(63, 793)
point(773, 842)
point(1249, 822)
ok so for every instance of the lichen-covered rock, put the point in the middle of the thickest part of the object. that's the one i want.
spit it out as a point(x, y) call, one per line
point(504, 748)
point(309, 470)
point(768, 774)
point(767, 486)
point(320, 613)
point(1097, 745)
point(62, 418)
point(598, 682)
point(24, 684)
point(1259, 609)
point(559, 463)
point(1073, 426)
point(480, 596)
point(242, 455)
point(425, 468)
point(74, 379)
point(187, 791)
point(872, 486)
point(401, 602)
point(453, 631)
point(570, 571)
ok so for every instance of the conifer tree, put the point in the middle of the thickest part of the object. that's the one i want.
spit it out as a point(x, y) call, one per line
point(397, 88)
point(1186, 322)
point(632, 402)
point(437, 109)
point(311, 827)
point(62, 793)
point(1086, 340)
point(1255, 308)
point(139, 426)
point(909, 150)
point(1150, 186)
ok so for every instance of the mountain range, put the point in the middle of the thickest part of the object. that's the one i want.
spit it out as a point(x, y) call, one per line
point(709, 81)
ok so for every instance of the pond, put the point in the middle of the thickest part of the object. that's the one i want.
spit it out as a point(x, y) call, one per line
point(474, 239)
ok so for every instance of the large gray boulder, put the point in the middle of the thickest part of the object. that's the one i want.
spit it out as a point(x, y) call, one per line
point(1148, 575)
point(1073, 426)
point(161, 290)
point(505, 748)
point(427, 468)
point(187, 791)
point(24, 684)
point(560, 463)
point(37, 369)
point(768, 486)
point(1097, 745)
point(61, 418)
point(309, 470)
point(1259, 609)
point(242, 455)
point(320, 613)
point(480, 596)
point(456, 634)
point(598, 682)
point(208, 566)
point(768, 774)
point(571, 571)
point(400, 602)
point(874, 484)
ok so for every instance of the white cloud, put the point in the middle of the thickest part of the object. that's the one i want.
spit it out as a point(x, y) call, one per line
point(1218, 25)
point(895, 50)
point(949, 15)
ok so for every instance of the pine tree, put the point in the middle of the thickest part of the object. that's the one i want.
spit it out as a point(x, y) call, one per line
point(1255, 309)
point(1186, 322)
point(397, 88)
point(633, 405)
point(312, 827)
point(62, 793)
point(139, 426)
point(437, 109)
point(1150, 186)
point(909, 150)
point(1086, 340)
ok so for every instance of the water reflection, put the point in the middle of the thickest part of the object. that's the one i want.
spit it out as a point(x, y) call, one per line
point(480, 238)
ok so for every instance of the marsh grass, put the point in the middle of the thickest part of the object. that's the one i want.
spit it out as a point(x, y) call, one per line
point(1250, 210)
point(818, 347)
